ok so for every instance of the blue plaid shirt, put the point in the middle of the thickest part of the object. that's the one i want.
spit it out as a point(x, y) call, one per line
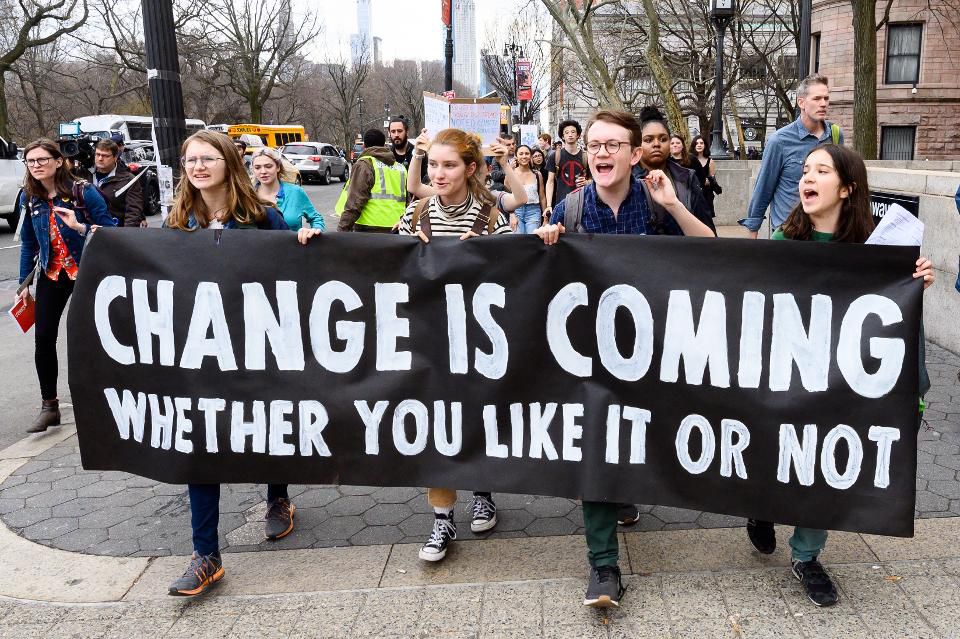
point(632, 219)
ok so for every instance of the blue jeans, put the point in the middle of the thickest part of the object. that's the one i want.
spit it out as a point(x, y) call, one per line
point(529, 217)
point(205, 513)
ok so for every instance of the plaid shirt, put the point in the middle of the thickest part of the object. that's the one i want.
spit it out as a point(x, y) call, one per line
point(633, 218)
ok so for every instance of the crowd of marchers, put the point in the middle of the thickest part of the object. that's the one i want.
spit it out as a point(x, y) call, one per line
point(617, 174)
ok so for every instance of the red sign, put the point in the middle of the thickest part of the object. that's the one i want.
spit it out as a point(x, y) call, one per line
point(445, 11)
point(524, 81)
point(449, 94)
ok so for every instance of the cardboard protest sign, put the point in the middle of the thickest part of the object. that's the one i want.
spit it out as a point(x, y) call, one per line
point(474, 115)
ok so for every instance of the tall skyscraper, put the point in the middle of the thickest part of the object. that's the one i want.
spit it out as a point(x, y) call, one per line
point(361, 43)
point(465, 67)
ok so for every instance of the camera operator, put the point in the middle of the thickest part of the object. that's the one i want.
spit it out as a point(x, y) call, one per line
point(111, 177)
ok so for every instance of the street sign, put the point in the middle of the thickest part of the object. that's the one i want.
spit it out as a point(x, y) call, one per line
point(880, 201)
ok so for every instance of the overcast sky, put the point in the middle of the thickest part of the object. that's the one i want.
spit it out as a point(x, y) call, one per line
point(411, 29)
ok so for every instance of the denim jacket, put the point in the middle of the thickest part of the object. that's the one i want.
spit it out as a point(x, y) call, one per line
point(35, 234)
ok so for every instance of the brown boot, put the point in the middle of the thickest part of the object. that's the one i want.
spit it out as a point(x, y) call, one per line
point(49, 416)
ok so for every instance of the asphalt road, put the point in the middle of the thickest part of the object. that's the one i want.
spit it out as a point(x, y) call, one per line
point(19, 390)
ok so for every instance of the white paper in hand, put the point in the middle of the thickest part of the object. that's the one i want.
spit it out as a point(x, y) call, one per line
point(897, 228)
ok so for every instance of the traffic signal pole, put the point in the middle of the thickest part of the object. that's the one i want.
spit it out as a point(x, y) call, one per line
point(163, 79)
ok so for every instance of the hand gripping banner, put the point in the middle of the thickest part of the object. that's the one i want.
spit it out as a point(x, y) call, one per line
point(775, 380)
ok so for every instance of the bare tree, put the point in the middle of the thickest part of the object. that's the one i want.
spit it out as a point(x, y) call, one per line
point(32, 23)
point(258, 41)
point(346, 82)
point(524, 31)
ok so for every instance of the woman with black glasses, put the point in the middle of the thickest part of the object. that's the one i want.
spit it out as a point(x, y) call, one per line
point(60, 211)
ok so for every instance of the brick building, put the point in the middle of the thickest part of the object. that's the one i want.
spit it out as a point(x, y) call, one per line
point(918, 74)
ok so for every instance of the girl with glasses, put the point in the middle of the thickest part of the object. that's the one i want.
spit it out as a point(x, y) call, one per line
point(215, 192)
point(60, 212)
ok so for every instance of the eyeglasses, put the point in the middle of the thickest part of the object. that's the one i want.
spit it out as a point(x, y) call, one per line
point(205, 160)
point(612, 146)
point(38, 161)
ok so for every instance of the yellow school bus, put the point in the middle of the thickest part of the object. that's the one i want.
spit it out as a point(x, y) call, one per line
point(270, 135)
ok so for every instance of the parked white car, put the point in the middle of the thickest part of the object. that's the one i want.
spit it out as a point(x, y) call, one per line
point(11, 181)
point(317, 160)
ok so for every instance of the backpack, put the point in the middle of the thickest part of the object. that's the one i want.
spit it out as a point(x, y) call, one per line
point(573, 211)
point(76, 195)
point(421, 214)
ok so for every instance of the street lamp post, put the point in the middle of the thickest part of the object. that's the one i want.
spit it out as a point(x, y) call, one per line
point(721, 12)
point(514, 51)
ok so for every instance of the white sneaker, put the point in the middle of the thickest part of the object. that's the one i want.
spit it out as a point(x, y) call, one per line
point(444, 531)
point(484, 514)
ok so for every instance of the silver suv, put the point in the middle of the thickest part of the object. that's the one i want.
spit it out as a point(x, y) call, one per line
point(317, 160)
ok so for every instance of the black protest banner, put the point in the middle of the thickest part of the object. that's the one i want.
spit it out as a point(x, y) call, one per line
point(775, 380)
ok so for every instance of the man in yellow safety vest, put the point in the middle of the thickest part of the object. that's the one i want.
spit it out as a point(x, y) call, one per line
point(375, 198)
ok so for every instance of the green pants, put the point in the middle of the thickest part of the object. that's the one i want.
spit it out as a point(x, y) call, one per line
point(807, 543)
point(600, 528)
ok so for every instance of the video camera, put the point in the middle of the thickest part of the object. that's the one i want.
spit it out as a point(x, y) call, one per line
point(77, 147)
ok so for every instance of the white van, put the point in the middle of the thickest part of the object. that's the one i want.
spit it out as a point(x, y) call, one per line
point(11, 181)
point(133, 127)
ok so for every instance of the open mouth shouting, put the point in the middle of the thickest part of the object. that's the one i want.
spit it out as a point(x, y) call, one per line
point(603, 168)
point(808, 194)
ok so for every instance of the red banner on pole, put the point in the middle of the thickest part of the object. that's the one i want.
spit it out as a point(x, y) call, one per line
point(524, 81)
point(445, 11)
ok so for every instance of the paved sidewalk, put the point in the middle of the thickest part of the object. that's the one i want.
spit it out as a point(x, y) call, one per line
point(53, 501)
point(681, 584)
point(89, 555)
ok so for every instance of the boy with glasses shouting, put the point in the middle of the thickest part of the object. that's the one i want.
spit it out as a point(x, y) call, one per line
point(614, 202)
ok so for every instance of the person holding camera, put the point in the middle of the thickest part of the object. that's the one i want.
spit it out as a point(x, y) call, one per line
point(118, 186)
point(59, 212)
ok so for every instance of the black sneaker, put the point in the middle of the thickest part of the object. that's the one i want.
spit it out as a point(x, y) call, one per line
point(628, 515)
point(605, 588)
point(762, 536)
point(816, 581)
point(484, 513)
point(444, 531)
point(202, 573)
point(279, 520)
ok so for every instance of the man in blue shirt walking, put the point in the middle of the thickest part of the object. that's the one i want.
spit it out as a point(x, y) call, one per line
point(779, 179)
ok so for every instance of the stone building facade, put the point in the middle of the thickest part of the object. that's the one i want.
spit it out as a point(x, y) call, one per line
point(918, 74)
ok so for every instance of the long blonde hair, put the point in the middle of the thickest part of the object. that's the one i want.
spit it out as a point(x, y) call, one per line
point(467, 146)
point(283, 173)
point(244, 206)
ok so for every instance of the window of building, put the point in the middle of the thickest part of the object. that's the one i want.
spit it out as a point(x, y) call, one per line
point(903, 53)
point(815, 45)
point(897, 142)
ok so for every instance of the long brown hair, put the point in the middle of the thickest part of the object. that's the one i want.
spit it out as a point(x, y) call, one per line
point(684, 154)
point(243, 203)
point(62, 179)
point(856, 219)
point(467, 146)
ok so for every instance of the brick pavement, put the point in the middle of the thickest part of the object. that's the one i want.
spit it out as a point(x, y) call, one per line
point(918, 599)
point(52, 501)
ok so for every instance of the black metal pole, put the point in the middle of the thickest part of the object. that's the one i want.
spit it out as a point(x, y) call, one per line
point(163, 78)
point(803, 55)
point(716, 144)
point(448, 52)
